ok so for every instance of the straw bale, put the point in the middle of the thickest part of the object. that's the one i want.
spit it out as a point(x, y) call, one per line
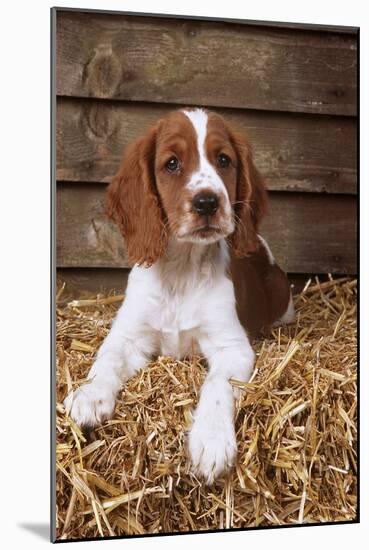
point(295, 422)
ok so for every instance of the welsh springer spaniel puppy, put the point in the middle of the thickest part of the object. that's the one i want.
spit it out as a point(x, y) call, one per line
point(188, 201)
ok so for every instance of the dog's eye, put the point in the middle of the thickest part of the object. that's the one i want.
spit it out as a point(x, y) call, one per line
point(223, 160)
point(172, 165)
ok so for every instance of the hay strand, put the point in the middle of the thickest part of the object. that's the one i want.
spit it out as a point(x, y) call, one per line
point(295, 422)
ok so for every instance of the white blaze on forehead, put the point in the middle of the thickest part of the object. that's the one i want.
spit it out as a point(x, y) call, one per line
point(205, 176)
point(199, 120)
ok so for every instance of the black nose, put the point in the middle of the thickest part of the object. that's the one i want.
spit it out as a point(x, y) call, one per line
point(205, 204)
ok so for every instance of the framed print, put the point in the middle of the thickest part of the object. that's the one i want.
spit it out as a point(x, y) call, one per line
point(204, 375)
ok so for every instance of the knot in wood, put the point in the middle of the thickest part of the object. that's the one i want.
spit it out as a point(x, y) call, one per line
point(103, 72)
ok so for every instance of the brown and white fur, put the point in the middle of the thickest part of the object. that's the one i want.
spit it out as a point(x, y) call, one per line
point(188, 200)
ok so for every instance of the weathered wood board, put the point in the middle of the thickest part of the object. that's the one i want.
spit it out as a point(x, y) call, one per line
point(81, 282)
point(205, 63)
point(308, 233)
point(293, 91)
point(294, 152)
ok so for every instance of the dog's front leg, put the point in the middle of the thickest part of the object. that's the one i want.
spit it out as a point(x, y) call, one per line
point(125, 350)
point(212, 439)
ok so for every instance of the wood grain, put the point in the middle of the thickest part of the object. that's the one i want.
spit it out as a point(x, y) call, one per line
point(308, 233)
point(81, 282)
point(139, 58)
point(294, 152)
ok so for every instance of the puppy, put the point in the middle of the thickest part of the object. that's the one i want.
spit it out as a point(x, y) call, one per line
point(188, 201)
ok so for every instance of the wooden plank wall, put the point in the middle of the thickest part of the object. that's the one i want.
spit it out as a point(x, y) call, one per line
point(292, 90)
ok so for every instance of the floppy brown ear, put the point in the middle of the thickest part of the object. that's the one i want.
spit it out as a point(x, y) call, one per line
point(251, 200)
point(134, 205)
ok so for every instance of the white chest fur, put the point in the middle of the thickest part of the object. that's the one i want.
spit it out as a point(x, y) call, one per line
point(177, 320)
point(176, 292)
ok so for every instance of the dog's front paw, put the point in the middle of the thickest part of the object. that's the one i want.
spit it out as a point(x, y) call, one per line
point(212, 446)
point(91, 404)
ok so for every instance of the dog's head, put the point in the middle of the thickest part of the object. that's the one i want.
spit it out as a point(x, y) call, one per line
point(190, 176)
